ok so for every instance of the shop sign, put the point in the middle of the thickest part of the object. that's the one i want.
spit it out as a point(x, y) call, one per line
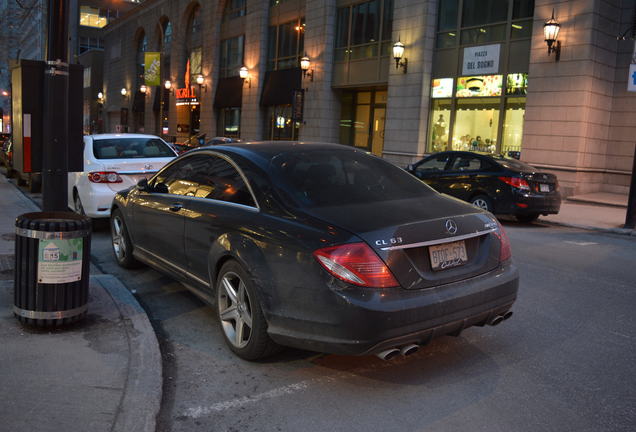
point(152, 68)
point(186, 96)
point(631, 78)
point(60, 261)
point(483, 85)
point(482, 59)
point(442, 88)
point(298, 105)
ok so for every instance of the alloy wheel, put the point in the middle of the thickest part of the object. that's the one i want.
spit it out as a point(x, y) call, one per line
point(235, 310)
point(79, 208)
point(119, 240)
point(481, 203)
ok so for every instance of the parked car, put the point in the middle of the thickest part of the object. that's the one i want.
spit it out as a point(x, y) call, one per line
point(222, 140)
point(494, 183)
point(113, 162)
point(317, 246)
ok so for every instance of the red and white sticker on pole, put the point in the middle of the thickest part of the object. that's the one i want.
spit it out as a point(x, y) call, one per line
point(26, 143)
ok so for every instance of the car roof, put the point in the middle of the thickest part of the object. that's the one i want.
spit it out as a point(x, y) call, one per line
point(121, 135)
point(266, 150)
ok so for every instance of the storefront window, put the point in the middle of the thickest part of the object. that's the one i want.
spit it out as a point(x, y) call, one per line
point(93, 17)
point(484, 85)
point(362, 119)
point(439, 128)
point(281, 125)
point(229, 122)
point(513, 126)
point(476, 125)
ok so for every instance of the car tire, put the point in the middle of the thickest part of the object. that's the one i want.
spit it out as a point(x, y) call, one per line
point(122, 246)
point(483, 202)
point(527, 218)
point(77, 204)
point(240, 315)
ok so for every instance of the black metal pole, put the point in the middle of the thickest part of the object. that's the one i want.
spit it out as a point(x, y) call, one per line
point(630, 218)
point(55, 146)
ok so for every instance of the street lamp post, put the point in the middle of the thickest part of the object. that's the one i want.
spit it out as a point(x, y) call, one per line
point(56, 79)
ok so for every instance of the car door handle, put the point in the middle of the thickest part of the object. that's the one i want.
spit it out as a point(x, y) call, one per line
point(176, 207)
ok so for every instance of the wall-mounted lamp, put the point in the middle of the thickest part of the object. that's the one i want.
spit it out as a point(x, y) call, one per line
point(551, 32)
point(124, 91)
point(398, 56)
point(5, 93)
point(244, 73)
point(200, 80)
point(143, 88)
point(100, 98)
point(167, 84)
point(305, 64)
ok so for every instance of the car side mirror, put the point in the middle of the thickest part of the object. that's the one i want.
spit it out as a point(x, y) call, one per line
point(410, 167)
point(142, 185)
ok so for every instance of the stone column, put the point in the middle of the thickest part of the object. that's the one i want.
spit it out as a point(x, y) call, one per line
point(414, 23)
point(322, 107)
point(252, 115)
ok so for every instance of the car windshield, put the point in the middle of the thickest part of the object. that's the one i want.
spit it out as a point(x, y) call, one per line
point(514, 164)
point(322, 178)
point(130, 148)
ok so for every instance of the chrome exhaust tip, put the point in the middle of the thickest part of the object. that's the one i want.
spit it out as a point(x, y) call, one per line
point(507, 315)
point(496, 320)
point(388, 354)
point(407, 350)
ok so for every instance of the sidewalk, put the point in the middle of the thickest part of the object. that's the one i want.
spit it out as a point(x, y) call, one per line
point(103, 374)
point(599, 211)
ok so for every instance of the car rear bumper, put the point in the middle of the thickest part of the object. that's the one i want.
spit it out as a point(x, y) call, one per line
point(535, 203)
point(367, 321)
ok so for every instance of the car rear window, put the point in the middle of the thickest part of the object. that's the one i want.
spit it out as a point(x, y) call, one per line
point(514, 164)
point(130, 148)
point(321, 178)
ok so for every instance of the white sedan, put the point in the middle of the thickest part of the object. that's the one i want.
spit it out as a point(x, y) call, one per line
point(113, 162)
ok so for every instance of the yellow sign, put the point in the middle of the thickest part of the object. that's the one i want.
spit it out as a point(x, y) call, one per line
point(152, 68)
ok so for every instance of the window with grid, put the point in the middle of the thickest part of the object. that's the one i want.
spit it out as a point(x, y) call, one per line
point(364, 30)
point(483, 21)
point(286, 45)
point(234, 9)
point(231, 56)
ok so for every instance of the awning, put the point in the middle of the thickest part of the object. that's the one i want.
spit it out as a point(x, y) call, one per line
point(229, 93)
point(139, 102)
point(279, 87)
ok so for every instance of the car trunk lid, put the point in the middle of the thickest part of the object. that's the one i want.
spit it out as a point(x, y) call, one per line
point(407, 233)
point(131, 171)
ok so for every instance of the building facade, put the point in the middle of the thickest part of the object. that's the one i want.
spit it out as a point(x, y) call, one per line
point(475, 75)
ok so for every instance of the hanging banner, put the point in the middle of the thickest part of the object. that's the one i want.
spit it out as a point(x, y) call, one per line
point(152, 68)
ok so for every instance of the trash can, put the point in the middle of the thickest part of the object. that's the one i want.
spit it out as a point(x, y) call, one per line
point(52, 259)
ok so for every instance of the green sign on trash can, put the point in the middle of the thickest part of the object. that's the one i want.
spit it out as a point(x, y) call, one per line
point(60, 261)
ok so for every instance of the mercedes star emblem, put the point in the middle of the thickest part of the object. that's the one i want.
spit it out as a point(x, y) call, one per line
point(451, 226)
point(147, 166)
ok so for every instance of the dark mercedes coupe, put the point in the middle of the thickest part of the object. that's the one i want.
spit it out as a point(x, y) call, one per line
point(491, 182)
point(317, 246)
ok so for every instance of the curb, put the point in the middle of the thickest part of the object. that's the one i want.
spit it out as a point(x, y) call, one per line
point(621, 231)
point(141, 400)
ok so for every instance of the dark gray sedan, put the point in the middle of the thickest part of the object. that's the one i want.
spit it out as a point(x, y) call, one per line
point(317, 246)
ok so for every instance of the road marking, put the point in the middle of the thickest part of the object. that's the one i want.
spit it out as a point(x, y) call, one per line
point(580, 243)
point(290, 389)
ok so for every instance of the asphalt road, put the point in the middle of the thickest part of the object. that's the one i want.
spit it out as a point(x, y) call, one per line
point(564, 362)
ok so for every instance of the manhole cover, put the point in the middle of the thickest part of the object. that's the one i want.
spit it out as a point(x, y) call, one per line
point(8, 237)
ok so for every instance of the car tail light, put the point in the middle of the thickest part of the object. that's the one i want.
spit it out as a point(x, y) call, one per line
point(505, 253)
point(104, 177)
point(516, 182)
point(356, 263)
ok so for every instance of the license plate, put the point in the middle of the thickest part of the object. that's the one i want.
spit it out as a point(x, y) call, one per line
point(544, 187)
point(448, 255)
